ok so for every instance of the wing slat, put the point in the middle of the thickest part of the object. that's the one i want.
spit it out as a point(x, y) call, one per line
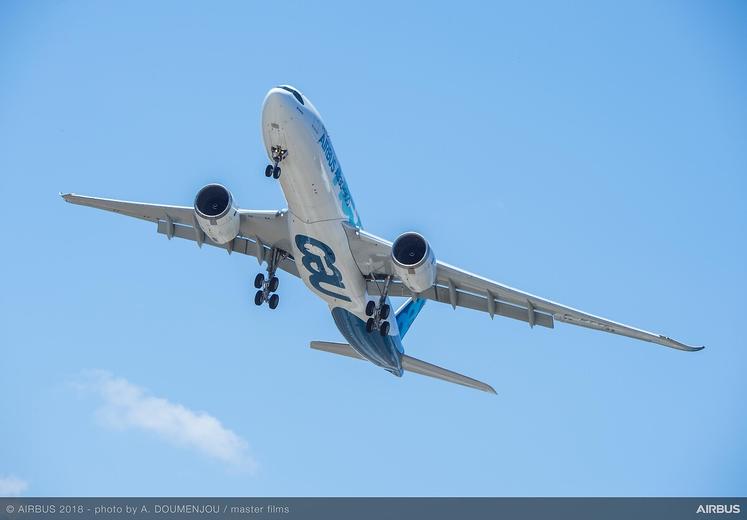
point(244, 246)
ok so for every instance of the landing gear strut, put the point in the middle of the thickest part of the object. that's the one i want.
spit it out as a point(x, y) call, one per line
point(268, 286)
point(379, 312)
point(278, 153)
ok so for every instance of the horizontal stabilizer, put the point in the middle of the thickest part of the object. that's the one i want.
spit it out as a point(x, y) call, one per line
point(342, 349)
point(409, 364)
point(412, 364)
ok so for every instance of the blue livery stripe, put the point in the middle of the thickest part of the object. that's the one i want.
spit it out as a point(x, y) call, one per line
point(407, 314)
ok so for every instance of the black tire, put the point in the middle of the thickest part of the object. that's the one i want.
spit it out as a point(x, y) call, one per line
point(384, 312)
point(384, 329)
point(276, 172)
point(274, 300)
point(274, 282)
point(259, 298)
point(370, 325)
point(370, 308)
point(269, 170)
point(259, 280)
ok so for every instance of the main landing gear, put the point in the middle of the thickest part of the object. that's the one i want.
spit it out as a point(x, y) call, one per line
point(378, 313)
point(278, 154)
point(268, 286)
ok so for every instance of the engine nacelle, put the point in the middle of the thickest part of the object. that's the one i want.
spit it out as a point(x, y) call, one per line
point(414, 262)
point(216, 214)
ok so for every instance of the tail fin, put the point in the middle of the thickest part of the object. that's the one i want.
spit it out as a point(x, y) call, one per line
point(407, 314)
point(410, 364)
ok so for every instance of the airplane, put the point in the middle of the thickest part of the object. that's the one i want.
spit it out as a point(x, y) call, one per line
point(319, 238)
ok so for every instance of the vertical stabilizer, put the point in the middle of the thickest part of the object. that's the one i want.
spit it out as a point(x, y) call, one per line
point(407, 314)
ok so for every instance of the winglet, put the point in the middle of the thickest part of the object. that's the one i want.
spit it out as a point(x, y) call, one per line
point(669, 342)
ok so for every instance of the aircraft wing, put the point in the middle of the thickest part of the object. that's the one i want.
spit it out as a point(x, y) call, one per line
point(259, 230)
point(460, 288)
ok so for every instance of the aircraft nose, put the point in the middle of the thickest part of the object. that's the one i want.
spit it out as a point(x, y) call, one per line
point(279, 106)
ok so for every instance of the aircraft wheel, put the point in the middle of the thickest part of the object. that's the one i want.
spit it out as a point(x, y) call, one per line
point(384, 329)
point(274, 282)
point(259, 280)
point(370, 324)
point(274, 300)
point(370, 308)
point(269, 170)
point(259, 298)
point(276, 172)
point(384, 311)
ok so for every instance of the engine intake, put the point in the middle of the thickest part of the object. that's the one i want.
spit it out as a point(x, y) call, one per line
point(216, 213)
point(414, 262)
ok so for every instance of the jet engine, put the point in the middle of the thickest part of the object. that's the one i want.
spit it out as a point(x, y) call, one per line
point(216, 213)
point(414, 262)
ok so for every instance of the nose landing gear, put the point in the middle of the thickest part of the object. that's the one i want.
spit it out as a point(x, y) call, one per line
point(379, 313)
point(268, 286)
point(278, 154)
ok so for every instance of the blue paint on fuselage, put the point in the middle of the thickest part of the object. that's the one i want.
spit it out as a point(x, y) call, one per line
point(384, 351)
point(338, 180)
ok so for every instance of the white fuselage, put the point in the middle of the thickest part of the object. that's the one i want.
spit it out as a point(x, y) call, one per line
point(319, 202)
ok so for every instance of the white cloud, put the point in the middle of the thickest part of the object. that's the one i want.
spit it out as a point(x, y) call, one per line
point(11, 486)
point(126, 405)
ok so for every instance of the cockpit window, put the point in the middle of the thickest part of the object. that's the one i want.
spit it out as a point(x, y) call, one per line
point(292, 91)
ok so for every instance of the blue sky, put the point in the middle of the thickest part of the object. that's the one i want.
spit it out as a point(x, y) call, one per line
point(592, 153)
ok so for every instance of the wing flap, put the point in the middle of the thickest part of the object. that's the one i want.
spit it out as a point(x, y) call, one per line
point(440, 293)
point(239, 245)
